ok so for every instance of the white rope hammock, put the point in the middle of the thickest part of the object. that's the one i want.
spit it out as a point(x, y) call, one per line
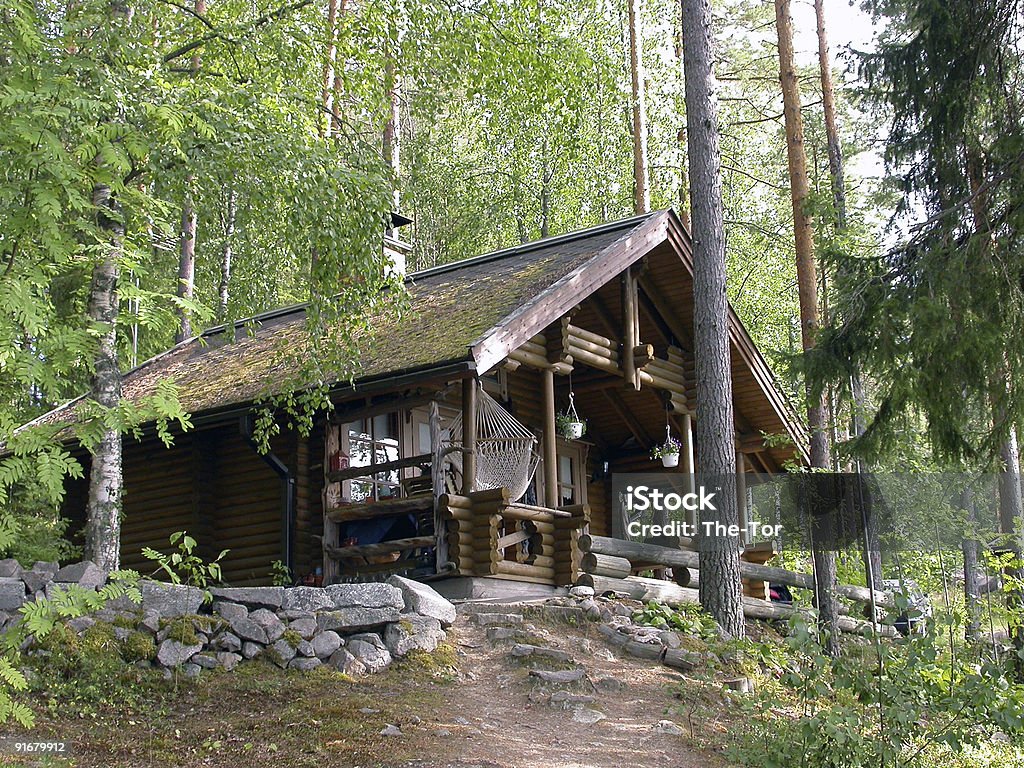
point(505, 455)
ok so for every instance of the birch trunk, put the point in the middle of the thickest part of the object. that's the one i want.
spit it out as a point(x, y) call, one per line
point(103, 511)
point(186, 262)
point(224, 291)
point(807, 285)
point(327, 94)
point(641, 189)
point(720, 587)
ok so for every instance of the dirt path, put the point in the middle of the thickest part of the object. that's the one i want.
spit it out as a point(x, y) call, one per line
point(498, 716)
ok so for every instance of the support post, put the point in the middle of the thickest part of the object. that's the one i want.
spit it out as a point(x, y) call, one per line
point(437, 484)
point(688, 469)
point(741, 496)
point(630, 326)
point(550, 455)
point(469, 436)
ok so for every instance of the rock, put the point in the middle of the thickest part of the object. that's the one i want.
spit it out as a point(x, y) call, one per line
point(251, 597)
point(354, 618)
point(267, 620)
point(228, 642)
point(369, 637)
point(191, 670)
point(424, 600)
point(304, 664)
point(373, 658)
point(501, 634)
point(171, 653)
point(306, 627)
point(325, 644)
point(308, 599)
point(588, 716)
point(667, 727)
point(391, 730)
point(10, 568)
point(150, 623)
point(670, 639)
point(305, 648)
point(560, 677)
point(366, 595)
point(230, 611)
point(170, 600)
point(345, 662)
point(582, 591)
point(228, 660)
point(121, 634)
point(281, 653)
point(36, 581)
point(566, 700)
point(609, 685)
point(12, 593)
point(490, 619)
point(413, 632)
point(85, 574)
point(205, 660)
point(524, 650)
point(251, 650)
point(247, 629)
point(79, 624)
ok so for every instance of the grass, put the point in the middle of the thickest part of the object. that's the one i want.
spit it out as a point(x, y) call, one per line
point(258, 715)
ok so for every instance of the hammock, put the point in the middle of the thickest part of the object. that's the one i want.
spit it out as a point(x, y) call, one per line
point(505, 455)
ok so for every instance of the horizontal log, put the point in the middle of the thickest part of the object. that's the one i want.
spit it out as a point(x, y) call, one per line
point(537, 514)
point(382, 508)
point(382, 548)
point(606, 565)
point(649, 553)
point(510, 568)
point(595, 361)
point(669, 593)
point(337, 476)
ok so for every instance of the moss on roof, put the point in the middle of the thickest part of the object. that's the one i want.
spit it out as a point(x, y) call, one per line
point(450, 308)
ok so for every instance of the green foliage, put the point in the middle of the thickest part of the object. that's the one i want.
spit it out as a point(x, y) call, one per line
point(280, 574)
point(182, 629)
point(184, 566)
point(896, 704)
point(690, 619)
point(563, 420)
point(138, 646)
point(70, 601)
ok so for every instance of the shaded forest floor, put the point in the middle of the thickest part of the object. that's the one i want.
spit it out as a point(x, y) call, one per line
point(471, 703)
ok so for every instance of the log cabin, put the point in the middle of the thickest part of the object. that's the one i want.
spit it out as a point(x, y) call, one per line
point(442, 460)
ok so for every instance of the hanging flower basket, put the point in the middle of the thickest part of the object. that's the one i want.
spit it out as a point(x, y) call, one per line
point(569, 424)
point(668, 452)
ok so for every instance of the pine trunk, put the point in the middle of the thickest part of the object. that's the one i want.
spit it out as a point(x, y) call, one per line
point(641, 189)
point(972, 592)
point(103, 513)
point(807, 286)
point(1011, 510)
point(720, 588)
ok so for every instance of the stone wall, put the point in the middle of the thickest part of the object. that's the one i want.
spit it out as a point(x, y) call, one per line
point(356, 628)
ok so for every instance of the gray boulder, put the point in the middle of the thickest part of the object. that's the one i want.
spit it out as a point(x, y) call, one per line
point(346, 663)
point(12, 593)
point(191, 670)
point(247, 629)
point(354, 618)
point(269, 622)
point(281, 652)
point(373, 658)
point(309, 599)
point(230, 611)
point(325, 644)
point(251, 597)
point(424, 600)
point(367, 595)
point(305, 648)
point(79, 624)
point(10, 568)
point(170, 600)
point(150, 622)
point(205, 660)
point(413, 632)
point(306, 627)
point(228, 660)
point(228, 642)
point(304, 664)
point(251, 650)
point(85, 574)
point(171, 653)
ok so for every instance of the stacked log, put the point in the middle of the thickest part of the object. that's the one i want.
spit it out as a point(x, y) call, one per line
point(568, 531)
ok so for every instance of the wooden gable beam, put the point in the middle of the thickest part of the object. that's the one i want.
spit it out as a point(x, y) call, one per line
point(627, 417)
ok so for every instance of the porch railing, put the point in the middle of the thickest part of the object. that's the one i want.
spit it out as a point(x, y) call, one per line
point(488, 535)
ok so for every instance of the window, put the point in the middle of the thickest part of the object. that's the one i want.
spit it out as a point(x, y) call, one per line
point(571, 473)
point(373, 441)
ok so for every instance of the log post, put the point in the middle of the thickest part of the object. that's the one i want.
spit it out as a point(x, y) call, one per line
point(741, 497)
point(469, 435)
point(630, 337)
point(687, 468)
point(549, 447)
point(437, 483)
